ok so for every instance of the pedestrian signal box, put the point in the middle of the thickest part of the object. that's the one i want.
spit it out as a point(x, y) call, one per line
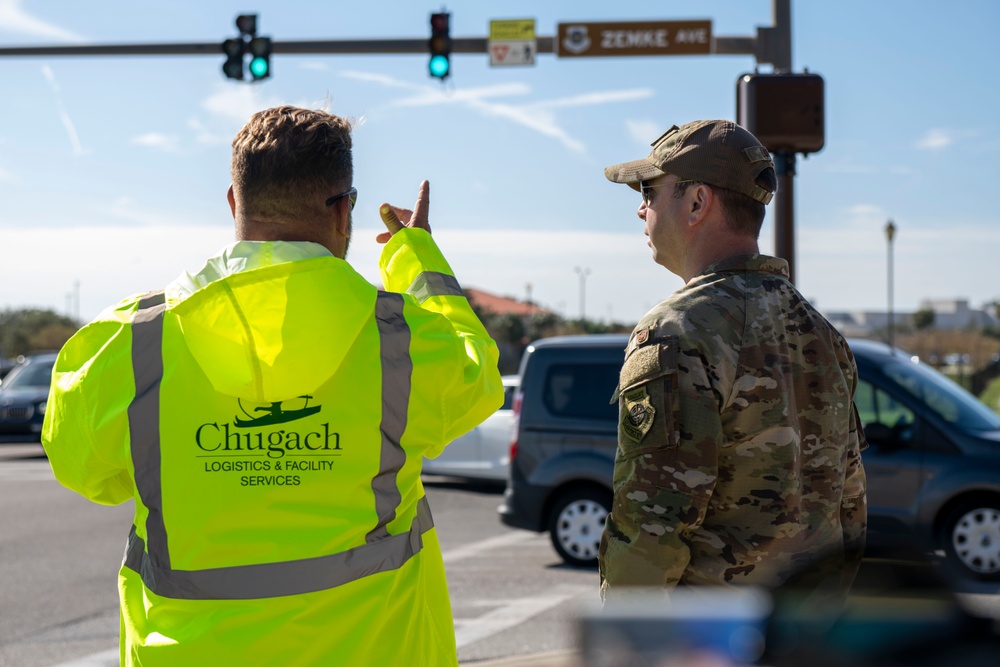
point(784, 111)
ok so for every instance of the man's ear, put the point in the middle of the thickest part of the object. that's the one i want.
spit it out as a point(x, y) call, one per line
point(342, 213)
point(232, 200)
point(702, 199)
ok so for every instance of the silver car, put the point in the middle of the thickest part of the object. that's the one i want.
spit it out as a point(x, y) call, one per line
point(483, 452)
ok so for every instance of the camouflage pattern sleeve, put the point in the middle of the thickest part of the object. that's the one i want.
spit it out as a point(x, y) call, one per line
point(854, 504)
point(669, 433)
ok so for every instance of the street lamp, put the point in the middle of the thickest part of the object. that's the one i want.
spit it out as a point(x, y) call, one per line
point(890, 232)
point(583, 273)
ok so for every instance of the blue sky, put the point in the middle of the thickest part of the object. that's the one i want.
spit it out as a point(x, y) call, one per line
point(113, 170)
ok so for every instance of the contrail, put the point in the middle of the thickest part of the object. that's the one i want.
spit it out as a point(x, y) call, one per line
point(67, 122)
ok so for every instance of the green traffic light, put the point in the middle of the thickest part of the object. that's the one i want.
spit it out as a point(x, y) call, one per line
point(259, 67)
point(438, 66)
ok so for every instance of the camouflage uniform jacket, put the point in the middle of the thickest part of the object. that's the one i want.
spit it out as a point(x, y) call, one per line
point(739, 446)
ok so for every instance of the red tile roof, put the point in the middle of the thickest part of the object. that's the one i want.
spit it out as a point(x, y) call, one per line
point(502, 305)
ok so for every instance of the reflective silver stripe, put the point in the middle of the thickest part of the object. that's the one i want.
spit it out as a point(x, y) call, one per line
point(381, 552)
point(144, 418)
point(433, 283)
point(397, 367)
point(294, 577)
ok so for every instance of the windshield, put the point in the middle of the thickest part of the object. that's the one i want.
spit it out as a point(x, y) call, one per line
point(945, 397)
point(30, 375)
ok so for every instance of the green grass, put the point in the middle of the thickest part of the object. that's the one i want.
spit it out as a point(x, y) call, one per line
point(991, 396)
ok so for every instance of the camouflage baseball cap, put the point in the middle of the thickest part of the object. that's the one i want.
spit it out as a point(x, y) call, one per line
point(717, 152)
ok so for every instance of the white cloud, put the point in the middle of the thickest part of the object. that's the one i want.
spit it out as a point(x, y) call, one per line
point(942, 137)
point(839, 268)
point(128, 210)
point(14, 19)
point(158, 141)
point(536, 116)
point(644, 131)
point(936, 139)
point(864, 213)
point(236, 103)
point(603, 97)
point(203, 135)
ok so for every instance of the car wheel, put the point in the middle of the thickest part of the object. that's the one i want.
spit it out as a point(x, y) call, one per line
point(972, 540)
point(577, 523)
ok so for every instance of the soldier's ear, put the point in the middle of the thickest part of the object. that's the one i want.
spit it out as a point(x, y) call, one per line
point(700, 202)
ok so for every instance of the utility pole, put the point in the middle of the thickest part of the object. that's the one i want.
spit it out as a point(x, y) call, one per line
point(583, 273)
point(890, 233)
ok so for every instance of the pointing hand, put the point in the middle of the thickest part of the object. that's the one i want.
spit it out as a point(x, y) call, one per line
point(396, 218)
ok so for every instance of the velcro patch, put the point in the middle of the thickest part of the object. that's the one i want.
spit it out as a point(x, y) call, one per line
point(757, 154)
point(637, 414)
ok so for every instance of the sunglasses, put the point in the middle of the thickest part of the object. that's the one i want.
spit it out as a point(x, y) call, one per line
point(647, 190)
point(351, 194)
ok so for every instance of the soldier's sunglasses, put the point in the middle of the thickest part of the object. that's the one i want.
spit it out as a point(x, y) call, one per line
point(646, 190)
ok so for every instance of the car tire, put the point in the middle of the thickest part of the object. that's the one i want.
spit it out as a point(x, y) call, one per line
point(971, 540)
point(576, 524)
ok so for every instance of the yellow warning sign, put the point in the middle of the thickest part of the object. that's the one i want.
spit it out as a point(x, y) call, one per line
point(512, 29)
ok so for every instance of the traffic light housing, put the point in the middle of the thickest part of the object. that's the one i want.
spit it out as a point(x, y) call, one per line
point(233, 67)
point(439, 65)
point(784, 111)
point(237, 48)
point(260, 58)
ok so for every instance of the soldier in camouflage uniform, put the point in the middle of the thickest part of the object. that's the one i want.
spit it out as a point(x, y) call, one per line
point(739, 446)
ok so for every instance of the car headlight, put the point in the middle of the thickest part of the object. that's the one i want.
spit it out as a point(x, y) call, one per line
point(41, 407)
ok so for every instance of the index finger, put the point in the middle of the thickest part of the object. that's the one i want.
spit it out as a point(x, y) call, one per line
point(422, 208)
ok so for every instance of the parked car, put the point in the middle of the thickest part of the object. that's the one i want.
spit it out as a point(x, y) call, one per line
point(933, 461)
point(483, 452)
point(23, 393)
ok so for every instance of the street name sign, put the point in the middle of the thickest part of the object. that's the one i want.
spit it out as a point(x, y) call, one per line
point(631, 38)
point(512, 42)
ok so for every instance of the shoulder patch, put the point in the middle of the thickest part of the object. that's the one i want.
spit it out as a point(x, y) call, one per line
point(637, 414)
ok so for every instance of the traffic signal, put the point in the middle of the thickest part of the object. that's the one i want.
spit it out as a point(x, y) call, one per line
point(233, 67)
point(784, 111)
point(247, 24)
point(440, 46)
point(237, 48)
point(260, 58)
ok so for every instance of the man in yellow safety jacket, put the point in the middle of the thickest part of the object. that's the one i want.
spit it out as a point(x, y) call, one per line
point(268, 415)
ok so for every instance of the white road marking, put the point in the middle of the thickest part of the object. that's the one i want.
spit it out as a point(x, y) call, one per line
point(489, 544)
point(471, 630)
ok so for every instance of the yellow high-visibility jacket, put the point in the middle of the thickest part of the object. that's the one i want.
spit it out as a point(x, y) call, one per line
point(268, 416)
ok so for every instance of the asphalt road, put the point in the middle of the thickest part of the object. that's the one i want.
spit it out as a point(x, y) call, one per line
point(59, 557)
point(511, 595)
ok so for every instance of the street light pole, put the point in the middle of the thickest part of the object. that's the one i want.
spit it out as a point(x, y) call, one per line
point(583, 273)
point(890, 232)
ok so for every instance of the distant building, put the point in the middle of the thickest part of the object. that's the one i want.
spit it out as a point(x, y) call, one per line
point(948, 314)
point(956, 314)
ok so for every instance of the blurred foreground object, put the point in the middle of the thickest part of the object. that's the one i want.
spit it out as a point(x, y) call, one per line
point(897, 616)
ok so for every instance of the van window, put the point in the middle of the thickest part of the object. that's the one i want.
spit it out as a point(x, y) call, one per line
point(877, 407)
point(582, 391)
point(943, 396)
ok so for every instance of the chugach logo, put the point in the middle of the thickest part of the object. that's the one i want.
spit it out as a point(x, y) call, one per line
point(248, 434)
point(274, 414)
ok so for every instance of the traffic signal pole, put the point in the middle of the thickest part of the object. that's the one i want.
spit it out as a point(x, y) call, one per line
point(784, 161)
